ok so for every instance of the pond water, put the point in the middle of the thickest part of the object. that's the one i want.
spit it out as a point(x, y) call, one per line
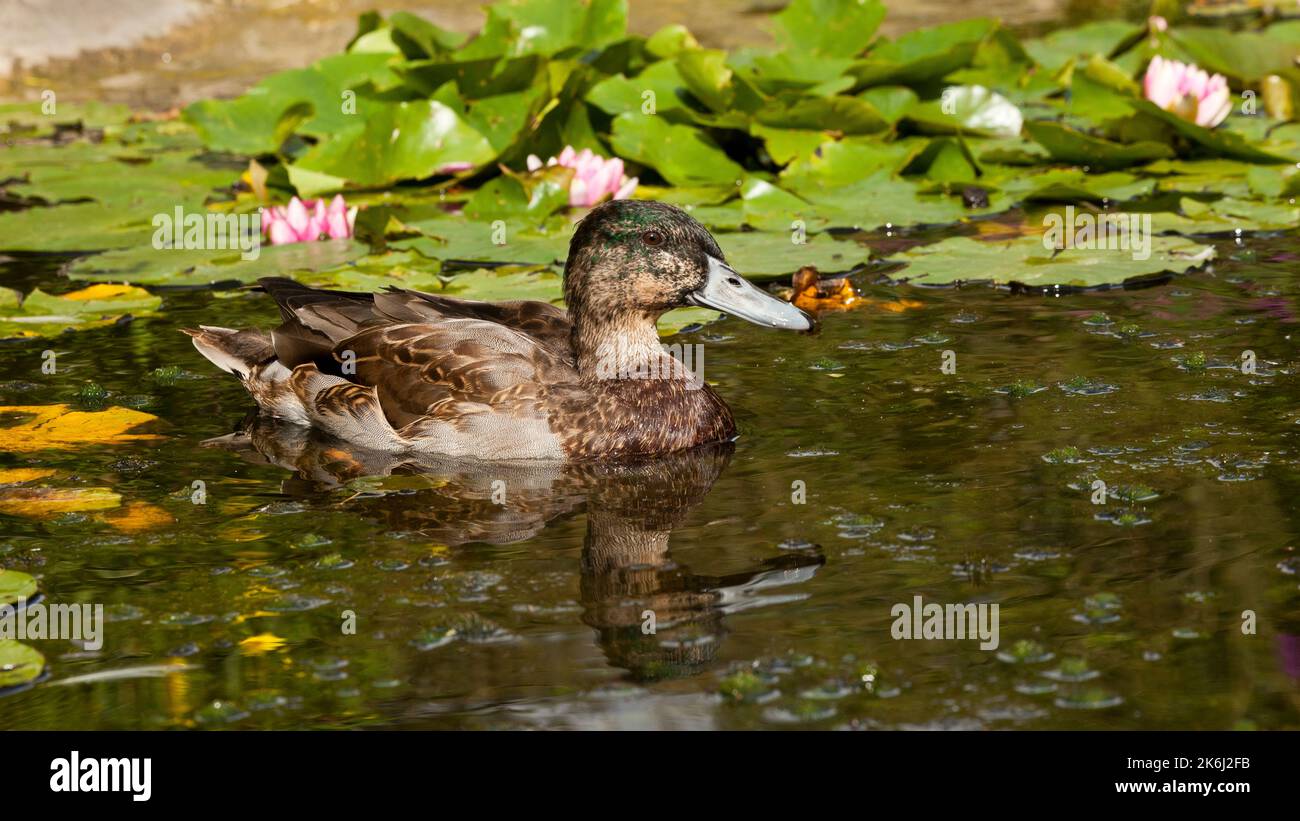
point(304, 594)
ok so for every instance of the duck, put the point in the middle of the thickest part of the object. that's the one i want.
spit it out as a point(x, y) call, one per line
point(402, 371)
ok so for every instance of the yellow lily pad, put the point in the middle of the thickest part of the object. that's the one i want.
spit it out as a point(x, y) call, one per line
point(137, 517)
point(59, 427)
point(43, 502)
point(262, 643)
point(17, 476)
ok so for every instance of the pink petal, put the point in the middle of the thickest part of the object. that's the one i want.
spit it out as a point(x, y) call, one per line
point(296, 216)
point(534, 162)
point(578, 192)
point(337, 206)
point(629, 186)
point(281, 234)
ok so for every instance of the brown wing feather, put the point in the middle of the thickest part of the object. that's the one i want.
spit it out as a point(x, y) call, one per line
point(451, 368)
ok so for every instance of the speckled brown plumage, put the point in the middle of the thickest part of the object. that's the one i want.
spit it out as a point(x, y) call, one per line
point(405, 371)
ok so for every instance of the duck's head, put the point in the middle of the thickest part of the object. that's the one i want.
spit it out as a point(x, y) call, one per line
point(643, 258)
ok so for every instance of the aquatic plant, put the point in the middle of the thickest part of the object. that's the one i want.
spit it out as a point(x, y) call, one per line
point(308, 221)
point(1187, 91)
point(594, 176)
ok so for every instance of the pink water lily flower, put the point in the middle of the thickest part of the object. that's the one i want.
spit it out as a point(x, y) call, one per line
point(1188, 92)
point(309, 220)
point(594, 177)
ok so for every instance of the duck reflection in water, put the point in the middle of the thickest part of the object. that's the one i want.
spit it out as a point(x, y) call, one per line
point(653, 616)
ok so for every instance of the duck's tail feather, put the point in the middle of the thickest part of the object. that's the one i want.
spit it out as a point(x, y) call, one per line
point(233, 351)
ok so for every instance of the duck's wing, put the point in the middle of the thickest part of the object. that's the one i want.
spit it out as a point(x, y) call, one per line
point(405, 370)
point(316, 319)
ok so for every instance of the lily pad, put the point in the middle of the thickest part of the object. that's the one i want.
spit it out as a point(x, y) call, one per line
point(828, 28)
point(399, 141)
point(681, 154)
point(41, 314)
point(1025, 260)
point(1072, 146)
point(923, 55)
point(59, 427)
point(147, 265)
point(16, 586)
point(45, 502)
point(19, 664)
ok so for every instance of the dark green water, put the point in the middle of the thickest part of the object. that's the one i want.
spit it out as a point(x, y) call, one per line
point(474, 614)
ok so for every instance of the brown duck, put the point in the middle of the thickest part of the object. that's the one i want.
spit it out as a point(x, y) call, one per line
point(404, 371)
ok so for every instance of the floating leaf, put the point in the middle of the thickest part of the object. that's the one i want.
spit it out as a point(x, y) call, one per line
point(261, 644)
point(399, 141)
point(829, 28)
point(41, 314)
point(923, 55)
point(681, 154)
point(137, 517)
point(1072, 146)
point(1027, 261)
point(44, 502)
point(147, 265)
point(19, 664)
point(15, 586)
point(17, 476)
point(58, 427)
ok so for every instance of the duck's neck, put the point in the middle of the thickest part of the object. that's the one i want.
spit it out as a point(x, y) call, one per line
point(624, 345)
point(644, 400)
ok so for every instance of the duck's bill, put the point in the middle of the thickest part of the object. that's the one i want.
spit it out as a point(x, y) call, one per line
point(729, 292)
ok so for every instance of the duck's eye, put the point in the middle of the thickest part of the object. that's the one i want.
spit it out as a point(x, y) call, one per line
point(652, 238)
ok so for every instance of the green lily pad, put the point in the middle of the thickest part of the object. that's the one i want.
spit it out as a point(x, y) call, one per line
point(400, 141)
point(16, 587)
point(89, 196)
point(32, 119)
point(1025, 260)
point(1245, 56)
point(1054, 50)
point(1075, 185)
point(763, 256)
point(517, 27)
point(498, 286)
point(618, 94)
point(1072, 146)
point(681, 154)
point(1228, 214)
point(828, 28)
point(460, 239)
point(19, 664)
point(41, 314)
point(1216, 140)
point(146, 265)
point(923, 55)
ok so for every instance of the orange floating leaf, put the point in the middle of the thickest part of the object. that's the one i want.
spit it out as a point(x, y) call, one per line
point(43, 502)
point(60, 427)
point(16, 476)
point(261, 643)
point(137, 517)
